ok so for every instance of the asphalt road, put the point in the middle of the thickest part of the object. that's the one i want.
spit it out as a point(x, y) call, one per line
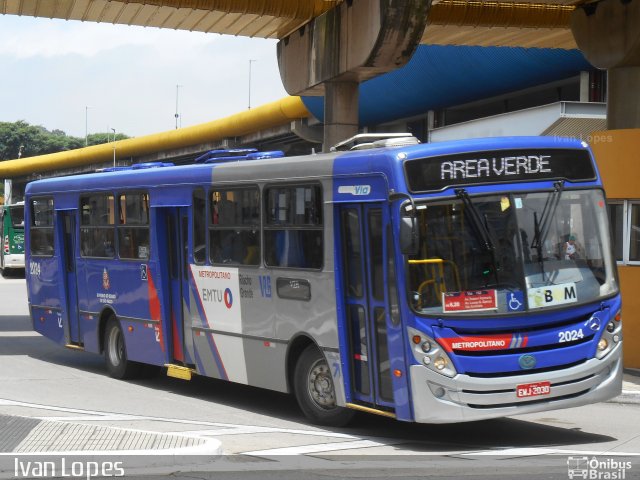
point(262, 434)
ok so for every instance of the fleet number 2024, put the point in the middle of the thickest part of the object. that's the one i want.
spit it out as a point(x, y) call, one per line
point(570, 336)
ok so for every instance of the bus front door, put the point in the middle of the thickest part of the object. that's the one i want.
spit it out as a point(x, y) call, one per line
point(67, 220)
point(364, 279)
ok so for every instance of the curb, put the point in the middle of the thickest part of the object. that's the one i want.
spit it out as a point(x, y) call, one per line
point(26, 436)
point(627, 396)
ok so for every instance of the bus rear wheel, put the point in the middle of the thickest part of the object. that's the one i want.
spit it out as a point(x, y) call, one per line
point(315, 391)
point(115, 352)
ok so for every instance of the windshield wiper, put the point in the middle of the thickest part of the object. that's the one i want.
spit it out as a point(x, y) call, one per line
point(543, 224)
point(479, 226)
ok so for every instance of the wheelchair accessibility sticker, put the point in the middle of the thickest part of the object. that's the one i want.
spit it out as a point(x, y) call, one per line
point(515, 301)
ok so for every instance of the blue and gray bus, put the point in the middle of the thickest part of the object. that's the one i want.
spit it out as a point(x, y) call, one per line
point(433, 283)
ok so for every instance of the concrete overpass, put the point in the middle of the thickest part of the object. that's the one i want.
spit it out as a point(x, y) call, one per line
point(330, 46)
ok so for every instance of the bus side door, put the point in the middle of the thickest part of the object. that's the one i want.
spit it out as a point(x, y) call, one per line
point(364, 281)
point(67, 223)
point(177, 254)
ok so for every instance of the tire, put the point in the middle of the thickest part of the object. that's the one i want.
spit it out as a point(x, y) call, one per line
point(115, 353)
point(315, 392)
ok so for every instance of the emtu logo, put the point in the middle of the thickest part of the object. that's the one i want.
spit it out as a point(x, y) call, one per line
point(228, 298)
point(216, 295)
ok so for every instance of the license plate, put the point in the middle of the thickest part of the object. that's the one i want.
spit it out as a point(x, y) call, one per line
point(533, 389)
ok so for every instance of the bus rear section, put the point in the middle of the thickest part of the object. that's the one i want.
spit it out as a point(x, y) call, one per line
point(12, 240)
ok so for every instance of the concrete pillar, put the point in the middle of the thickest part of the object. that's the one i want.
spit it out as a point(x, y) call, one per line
point(340, 112)
point(353, 42)
point(623, 104)
point(584, 86)
point(607, 33)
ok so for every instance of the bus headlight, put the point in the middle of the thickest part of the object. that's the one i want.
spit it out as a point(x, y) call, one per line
point(611, 336)
point(429, 353)
point(440, 363)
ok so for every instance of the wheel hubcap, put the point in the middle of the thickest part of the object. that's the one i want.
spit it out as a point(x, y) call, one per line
point(320, 385)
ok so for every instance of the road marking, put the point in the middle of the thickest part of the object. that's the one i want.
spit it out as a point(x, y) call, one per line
point(324, 447)
point(25, 333)
point(251, 429)
point(534, 451)
point(223, 428)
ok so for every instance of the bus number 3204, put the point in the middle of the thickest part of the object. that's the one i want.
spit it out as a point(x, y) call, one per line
point(570, 336)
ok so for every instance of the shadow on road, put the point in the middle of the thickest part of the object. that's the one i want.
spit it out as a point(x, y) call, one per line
point(15, 323)
point(418, 438)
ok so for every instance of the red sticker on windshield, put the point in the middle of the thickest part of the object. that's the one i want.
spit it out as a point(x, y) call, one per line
point(470, 301)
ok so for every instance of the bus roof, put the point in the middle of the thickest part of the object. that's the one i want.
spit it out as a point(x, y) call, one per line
point(284, 168)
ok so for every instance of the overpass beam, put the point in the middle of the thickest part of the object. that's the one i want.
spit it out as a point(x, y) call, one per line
point(351, 43)
point(607, 33)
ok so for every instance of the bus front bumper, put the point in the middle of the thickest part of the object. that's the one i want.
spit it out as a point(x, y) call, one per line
point(440, 399)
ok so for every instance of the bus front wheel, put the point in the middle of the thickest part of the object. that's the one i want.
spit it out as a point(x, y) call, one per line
point(315, 391)
point(115, 352)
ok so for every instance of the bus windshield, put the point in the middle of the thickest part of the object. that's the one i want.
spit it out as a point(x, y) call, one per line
point(17, 216)
point(507, 253)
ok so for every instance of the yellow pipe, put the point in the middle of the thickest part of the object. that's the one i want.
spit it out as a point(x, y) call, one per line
point(259, 118)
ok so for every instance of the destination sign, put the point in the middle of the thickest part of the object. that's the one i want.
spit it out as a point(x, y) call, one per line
point(438, 173)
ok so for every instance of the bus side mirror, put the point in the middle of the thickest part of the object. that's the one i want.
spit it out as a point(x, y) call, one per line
point(409, 238)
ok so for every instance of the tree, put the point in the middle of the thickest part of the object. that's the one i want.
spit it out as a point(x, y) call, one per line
point(37, 140)
point(99, 138)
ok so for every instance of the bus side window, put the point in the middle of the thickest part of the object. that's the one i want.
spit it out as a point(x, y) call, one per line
point(41, 231)
point(199, 226)
point(133, 231)
point(293, 234)
point(234, 227)
point(97, 226)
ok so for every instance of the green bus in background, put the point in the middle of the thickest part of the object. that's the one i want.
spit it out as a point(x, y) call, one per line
point(12, 240)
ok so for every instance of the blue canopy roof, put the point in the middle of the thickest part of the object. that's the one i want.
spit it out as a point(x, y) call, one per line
point(443, 76)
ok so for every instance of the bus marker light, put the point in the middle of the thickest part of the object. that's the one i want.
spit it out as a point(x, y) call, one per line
point(397, 373)
point(130, 328)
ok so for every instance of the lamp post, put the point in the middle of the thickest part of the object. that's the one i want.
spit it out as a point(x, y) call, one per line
point(177, 115)
point(86, 124)
point(250, 62)
point(114, 146)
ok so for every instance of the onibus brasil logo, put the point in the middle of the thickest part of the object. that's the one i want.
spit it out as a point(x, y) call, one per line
point(597, 469)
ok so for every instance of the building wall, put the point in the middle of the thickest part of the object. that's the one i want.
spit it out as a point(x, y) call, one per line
point(616, 152)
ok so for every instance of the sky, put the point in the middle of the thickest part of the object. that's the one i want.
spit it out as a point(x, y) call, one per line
point(52, 70)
